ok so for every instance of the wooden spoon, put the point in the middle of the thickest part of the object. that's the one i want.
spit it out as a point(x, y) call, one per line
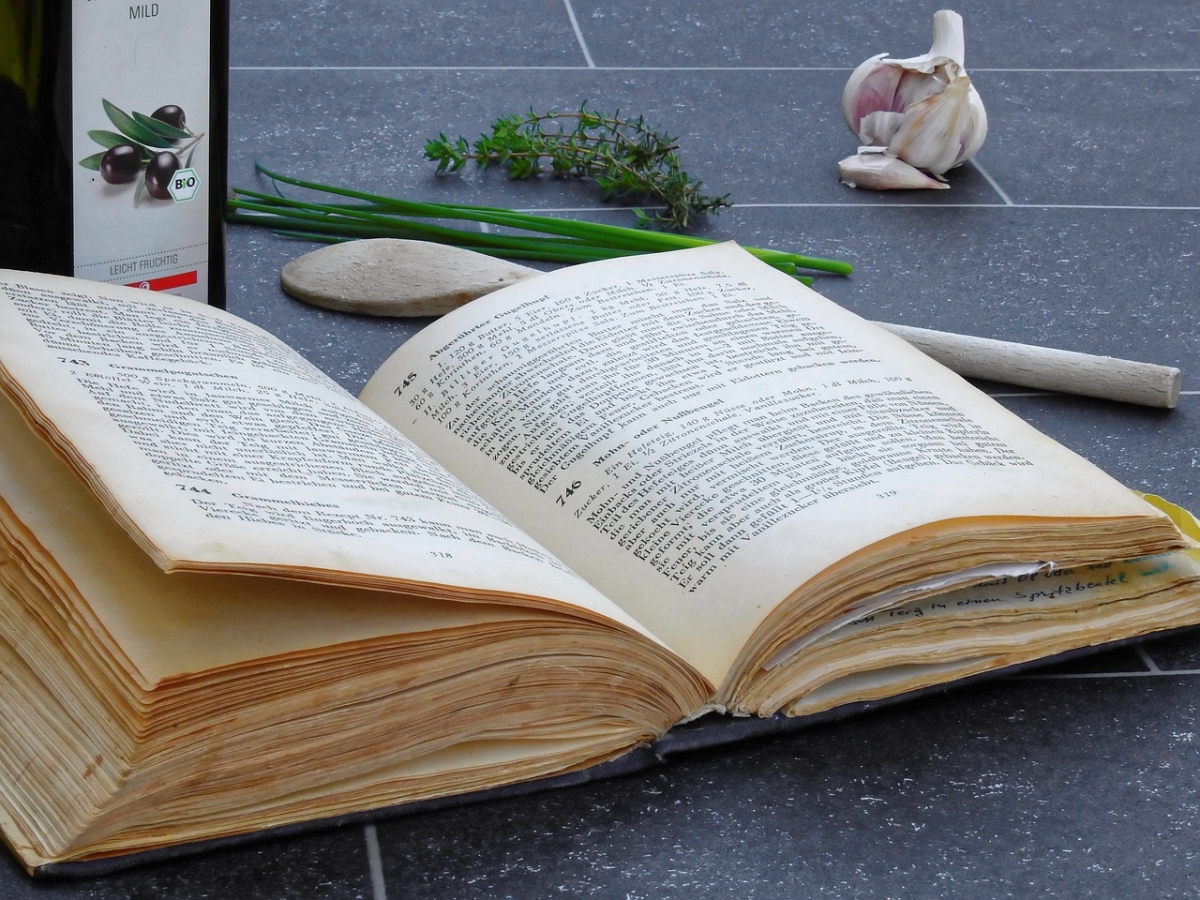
point(390, 277)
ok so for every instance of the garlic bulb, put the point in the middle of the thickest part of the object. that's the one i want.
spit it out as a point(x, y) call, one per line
point(923, 111)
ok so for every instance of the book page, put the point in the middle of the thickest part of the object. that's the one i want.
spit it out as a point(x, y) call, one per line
point(996, 624)
point(699, 435)
point(167, 625)
point(219, 448)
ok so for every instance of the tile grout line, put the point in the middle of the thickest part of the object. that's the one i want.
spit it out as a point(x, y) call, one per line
point(592, 65)
point(587, 56)
point(375, 863)
point(1016, 394)
point(1141, 70)
point(889, 205)
point(1148, 660)
point(1010, 205)
point(1083, 676)
point(992, 181)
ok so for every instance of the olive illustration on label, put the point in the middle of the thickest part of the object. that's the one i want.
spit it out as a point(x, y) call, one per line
point(172, 115)
point(146, 149)
point(158, 174)
point(121, 164)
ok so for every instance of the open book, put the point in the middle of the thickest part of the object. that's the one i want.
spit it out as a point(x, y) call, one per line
point(558, 522)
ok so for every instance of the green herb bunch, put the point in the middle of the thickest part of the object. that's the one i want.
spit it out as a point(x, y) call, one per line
point(329, 213)
point(627, 159)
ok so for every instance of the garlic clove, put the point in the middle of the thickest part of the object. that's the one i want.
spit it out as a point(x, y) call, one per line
point(915, 86)
point(972, 138)
point(935, 131)
point(870, 88)
point(878, 128)
point(874, 169)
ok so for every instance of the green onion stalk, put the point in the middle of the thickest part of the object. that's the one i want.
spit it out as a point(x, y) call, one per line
point(526, 236)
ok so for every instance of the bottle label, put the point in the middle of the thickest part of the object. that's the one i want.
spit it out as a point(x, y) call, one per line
point(140, 166)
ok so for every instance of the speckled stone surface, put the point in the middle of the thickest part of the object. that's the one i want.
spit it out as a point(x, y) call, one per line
point(1077, 226)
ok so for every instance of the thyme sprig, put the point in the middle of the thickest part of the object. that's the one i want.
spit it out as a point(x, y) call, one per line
point(521, 235)
point(627, 159)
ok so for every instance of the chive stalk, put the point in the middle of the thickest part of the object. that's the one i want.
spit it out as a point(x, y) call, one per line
point(374, 215)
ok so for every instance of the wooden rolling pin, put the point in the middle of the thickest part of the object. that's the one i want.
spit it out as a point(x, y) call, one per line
point(389, 277)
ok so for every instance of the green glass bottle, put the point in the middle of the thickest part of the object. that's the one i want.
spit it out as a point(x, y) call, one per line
point(113, 119)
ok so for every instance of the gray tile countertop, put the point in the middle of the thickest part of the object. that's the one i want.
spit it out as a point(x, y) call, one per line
point(1077, 226)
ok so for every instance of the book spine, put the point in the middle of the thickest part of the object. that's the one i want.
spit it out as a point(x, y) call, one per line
point(113, 141)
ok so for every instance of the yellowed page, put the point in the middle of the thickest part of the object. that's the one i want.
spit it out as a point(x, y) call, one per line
point(171, 625)
point(1002, 623)
point(219, 448)
point(698, 435)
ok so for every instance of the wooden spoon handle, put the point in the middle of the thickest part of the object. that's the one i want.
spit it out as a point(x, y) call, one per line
point(1047, 368)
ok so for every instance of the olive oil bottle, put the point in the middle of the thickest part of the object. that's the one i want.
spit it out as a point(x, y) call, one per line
point(113, 118)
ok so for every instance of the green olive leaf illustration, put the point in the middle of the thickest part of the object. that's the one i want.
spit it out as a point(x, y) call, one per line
point(130, 127)
point(112, 139)
point(163, 129)
point(107, 138)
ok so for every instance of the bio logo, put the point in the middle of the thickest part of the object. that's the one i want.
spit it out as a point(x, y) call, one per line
point(183, 185)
